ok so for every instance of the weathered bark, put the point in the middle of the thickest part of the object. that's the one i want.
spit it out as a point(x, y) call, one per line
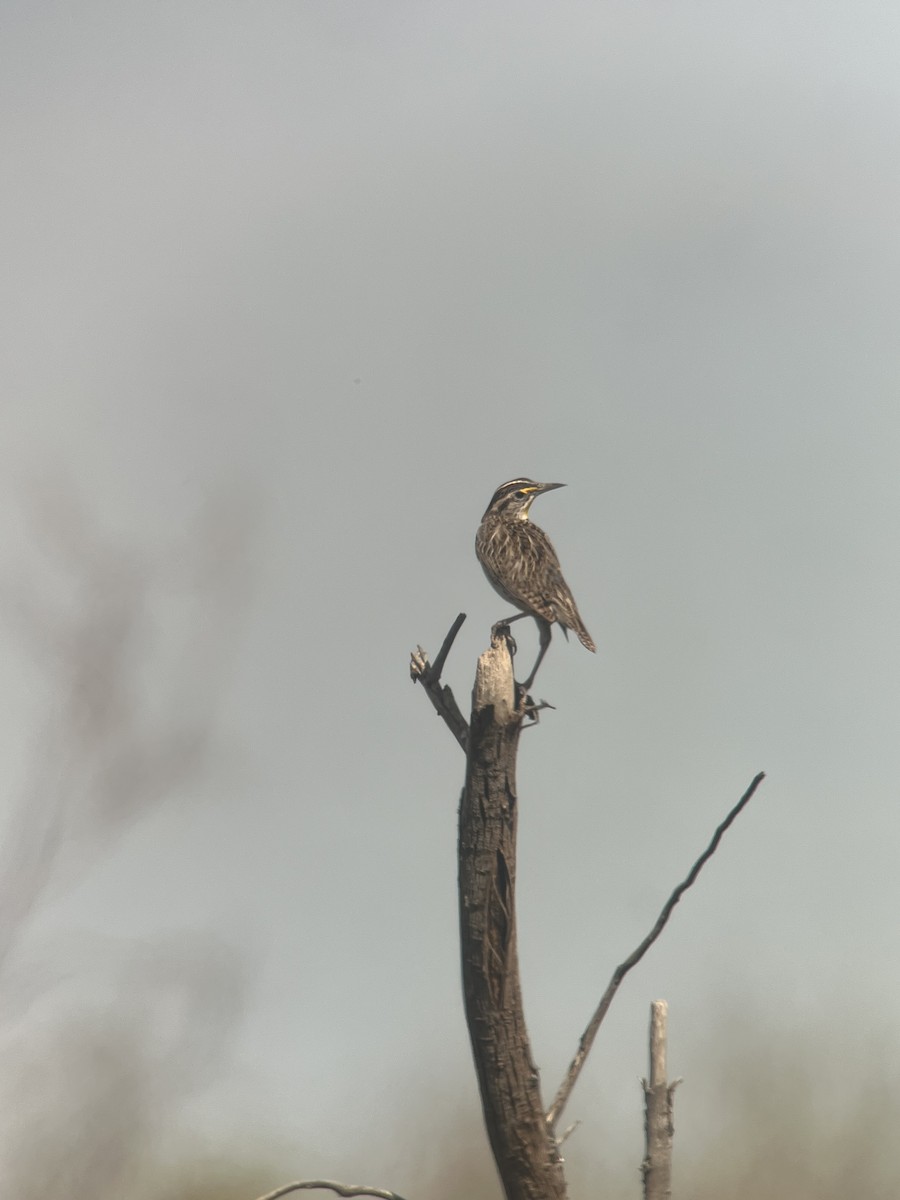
point(522, 1142)
point(659, 1126)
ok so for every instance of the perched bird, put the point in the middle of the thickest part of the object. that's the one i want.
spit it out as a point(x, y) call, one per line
point(521, 564)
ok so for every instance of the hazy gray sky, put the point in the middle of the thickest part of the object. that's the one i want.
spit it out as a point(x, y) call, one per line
point(356, 264)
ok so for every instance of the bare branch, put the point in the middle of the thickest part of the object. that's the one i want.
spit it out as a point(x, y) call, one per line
point(429, 675)
point(448, 642)
point(342, 1189)
point(587, 1038)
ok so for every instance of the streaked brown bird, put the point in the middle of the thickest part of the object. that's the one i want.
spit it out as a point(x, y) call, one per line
point(521, 564)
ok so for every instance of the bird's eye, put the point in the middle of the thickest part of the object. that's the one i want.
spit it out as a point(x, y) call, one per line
point(520, 494)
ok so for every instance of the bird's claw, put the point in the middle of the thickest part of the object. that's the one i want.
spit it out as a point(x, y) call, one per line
point(527, 706)
point(501, 630)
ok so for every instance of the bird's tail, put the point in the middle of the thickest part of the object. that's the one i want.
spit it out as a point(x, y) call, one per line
point(577, 626)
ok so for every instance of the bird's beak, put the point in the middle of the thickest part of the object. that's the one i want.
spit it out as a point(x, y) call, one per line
point(549, 487)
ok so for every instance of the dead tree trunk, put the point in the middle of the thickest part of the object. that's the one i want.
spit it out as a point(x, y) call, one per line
point(658, 1123)
point(521, 1135)
point(523, 1144)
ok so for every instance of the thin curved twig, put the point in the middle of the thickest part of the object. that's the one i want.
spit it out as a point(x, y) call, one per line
point(587, 1038)
point(331, 1185)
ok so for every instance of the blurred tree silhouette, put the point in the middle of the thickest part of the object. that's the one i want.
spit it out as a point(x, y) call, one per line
point(100, 1041)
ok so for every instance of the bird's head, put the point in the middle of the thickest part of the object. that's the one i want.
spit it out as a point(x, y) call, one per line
point(512, 500)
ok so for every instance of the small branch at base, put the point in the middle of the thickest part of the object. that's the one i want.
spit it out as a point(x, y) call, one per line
point(342, 1189)
point(587, 1038)
point(440, 695)
point(568, 1133)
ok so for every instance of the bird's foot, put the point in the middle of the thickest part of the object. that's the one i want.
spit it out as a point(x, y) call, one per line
point(501, 631)
point(526, 705)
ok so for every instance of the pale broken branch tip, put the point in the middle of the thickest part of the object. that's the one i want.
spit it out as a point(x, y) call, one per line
point(440, 695)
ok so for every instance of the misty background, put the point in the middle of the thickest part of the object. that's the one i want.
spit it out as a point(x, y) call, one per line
point(289, 289)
